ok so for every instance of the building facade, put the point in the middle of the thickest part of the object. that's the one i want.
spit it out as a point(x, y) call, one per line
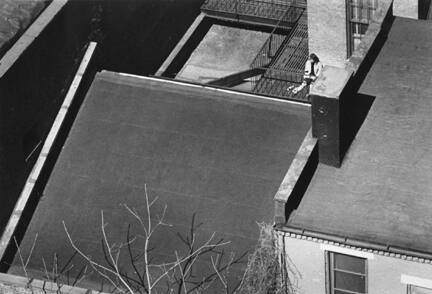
point(327, 268)
point(337, 26)
point(352, 215)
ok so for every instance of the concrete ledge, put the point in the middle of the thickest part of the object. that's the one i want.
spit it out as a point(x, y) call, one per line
point(24, 285)
point(29, 186)
point(290, 191)
point(30, 34)
point(331, 82)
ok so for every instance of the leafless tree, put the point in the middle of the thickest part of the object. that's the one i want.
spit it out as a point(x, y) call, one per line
point(173, 276)
point(57, 274)
point(269, 269)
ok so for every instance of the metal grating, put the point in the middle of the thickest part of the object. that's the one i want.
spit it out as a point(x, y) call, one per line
point(285, 68)
point(268, 10)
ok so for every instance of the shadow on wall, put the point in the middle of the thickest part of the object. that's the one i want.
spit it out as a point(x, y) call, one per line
point(31, 92)
point(423, 9)
point(355, 106)
point(354, 112)
point(47, 168)
point(33, 89)
point(302, 184)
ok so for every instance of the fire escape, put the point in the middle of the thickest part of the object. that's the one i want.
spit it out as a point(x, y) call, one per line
point(280, 61)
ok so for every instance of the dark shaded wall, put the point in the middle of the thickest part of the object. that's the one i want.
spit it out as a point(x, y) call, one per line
point(424, 9)
point(134, 36)
point(30, 95)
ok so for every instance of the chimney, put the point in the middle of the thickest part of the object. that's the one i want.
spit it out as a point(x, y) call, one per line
point(326, 95)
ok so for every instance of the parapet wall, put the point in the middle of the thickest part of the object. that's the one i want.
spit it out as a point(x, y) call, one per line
point(34, 75)
point(334, 92)
point(333, 101)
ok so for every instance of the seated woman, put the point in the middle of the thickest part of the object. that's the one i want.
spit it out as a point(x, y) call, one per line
point(313, 68)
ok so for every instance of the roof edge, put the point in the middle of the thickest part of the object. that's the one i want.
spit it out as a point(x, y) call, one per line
point(297, 179)
point(45, 286)
point(355, 244)
point(239, 94)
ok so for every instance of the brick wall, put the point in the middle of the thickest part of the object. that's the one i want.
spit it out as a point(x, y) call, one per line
point(327, 30)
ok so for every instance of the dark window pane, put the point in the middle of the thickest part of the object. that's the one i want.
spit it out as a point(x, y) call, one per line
point(349, 263)
point(351, 282)
point(419, 290)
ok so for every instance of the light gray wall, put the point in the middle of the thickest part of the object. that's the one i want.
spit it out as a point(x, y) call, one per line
point(327, 30)
point(384, 272)
point(406, 8)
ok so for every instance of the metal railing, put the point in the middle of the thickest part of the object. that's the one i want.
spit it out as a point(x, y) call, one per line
point(284, 65)
point(274, 82)
point(266, 9)
point(294, 53)
point(274, 42)
point(283, 55)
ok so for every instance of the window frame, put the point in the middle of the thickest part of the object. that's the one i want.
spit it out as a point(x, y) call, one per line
point(358, 22)
point(409, 288)
point(330, 270)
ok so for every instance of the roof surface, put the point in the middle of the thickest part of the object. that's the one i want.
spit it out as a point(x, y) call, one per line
point(218, 154)
point(15, 16)
point(383, 191)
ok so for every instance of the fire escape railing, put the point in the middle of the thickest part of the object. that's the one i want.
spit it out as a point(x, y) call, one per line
point(280, 61)
point(266, 9)
point(284, 57)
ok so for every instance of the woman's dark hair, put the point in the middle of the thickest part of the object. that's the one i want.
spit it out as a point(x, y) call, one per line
point(314, 57)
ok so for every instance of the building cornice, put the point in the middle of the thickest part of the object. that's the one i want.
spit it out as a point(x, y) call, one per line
point(353, 244)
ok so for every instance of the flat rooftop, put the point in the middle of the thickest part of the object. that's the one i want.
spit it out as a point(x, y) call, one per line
point(383, 192)
point(216, 153)
point(223, 51)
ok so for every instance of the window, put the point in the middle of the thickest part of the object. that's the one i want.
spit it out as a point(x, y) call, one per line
point(418, 290)
point(346, 274)
point(359, 15)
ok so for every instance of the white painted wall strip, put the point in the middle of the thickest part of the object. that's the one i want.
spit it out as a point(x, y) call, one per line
point(30, 34)
point(411, 280)
point(29, 185)
point(347, 251)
